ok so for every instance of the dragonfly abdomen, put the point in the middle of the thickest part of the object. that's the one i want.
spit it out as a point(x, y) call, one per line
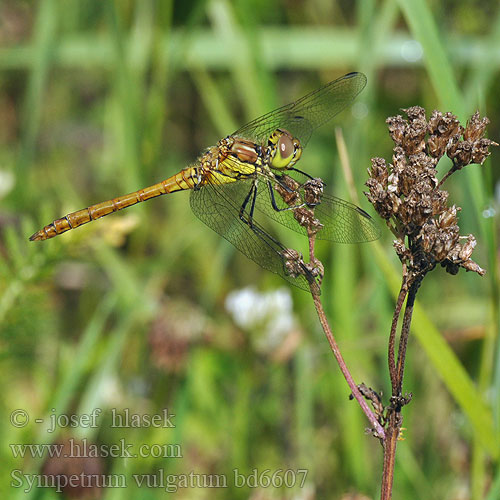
point(185, 179)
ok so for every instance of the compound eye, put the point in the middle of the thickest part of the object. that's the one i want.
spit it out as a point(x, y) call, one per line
point(284, 149)
point(285, 146)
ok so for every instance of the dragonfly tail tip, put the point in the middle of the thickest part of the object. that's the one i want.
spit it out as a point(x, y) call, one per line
point(36, 236)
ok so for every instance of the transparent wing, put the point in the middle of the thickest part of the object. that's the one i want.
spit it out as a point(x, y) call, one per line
point(343, 222)
point(301, 117)
point(218, 206)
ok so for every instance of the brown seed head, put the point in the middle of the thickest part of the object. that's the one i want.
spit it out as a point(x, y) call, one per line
point(442, 128)
point(313, 191)
point(407, 192)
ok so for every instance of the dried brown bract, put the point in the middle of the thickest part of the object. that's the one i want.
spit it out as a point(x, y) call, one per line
point(288, 188)
point(407, 193)
point(294, 262)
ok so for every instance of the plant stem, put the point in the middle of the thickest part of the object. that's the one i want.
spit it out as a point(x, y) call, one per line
point(380, 433)
point(390, 443)
point(405, 332)
point(394, 417)
point(451, 171)
point(392, 337)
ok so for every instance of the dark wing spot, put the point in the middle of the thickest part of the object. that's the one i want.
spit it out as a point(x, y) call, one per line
point(363, 213)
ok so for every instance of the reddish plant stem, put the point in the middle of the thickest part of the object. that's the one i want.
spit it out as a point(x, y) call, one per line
point(377, 428)
point(394, 417)
point(343, 368)
point(390, 443)
point(403, 340)
point(451, 171)
point(392, 337)
point(312, 240)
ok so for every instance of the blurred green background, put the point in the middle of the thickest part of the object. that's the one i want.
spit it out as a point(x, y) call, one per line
point(147, 309)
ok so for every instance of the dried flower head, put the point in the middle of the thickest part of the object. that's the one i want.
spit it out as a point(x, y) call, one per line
point(408, 194)
point(288, 189)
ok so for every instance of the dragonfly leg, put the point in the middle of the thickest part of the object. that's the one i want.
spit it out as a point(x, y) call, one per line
point(305, 174)
point(248, 220)
point(285, 253)
point(244, 206)
point(273, 199)
point(279, 179)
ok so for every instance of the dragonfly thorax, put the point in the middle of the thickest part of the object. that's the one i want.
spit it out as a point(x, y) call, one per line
point(245, 151)
point(233, 158)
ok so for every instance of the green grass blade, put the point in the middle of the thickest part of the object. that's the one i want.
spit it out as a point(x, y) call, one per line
point(39, 64)
point(423, 27)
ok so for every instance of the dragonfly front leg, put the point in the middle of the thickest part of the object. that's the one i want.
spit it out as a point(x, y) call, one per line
point(290, 197)
point(305, 174)
point(296, 195)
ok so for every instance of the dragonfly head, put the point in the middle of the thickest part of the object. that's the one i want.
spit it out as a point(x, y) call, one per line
point(285, 150)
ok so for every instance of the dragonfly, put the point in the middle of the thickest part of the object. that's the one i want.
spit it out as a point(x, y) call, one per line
point(235, 185)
